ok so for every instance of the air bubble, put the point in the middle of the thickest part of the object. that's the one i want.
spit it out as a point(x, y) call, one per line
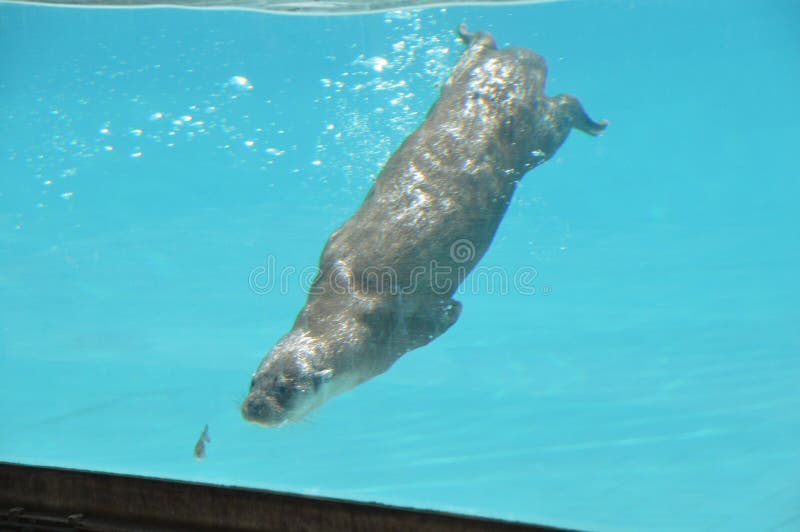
point(377, 63)
point(240, 82)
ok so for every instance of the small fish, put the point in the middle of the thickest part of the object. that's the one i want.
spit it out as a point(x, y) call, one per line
point(200, 446)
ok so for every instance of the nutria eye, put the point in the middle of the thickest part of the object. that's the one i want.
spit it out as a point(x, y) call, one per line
point(281, 391)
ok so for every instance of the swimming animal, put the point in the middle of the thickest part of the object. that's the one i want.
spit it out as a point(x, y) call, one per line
point(200, 446)
point(387, 276)
point(289, 7)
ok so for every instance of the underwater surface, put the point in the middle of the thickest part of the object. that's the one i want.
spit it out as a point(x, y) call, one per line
point(168, 179)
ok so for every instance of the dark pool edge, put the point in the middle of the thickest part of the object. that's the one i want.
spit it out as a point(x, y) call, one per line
point(49, 498)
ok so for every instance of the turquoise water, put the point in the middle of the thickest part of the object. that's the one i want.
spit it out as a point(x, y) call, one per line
point(151, 161)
